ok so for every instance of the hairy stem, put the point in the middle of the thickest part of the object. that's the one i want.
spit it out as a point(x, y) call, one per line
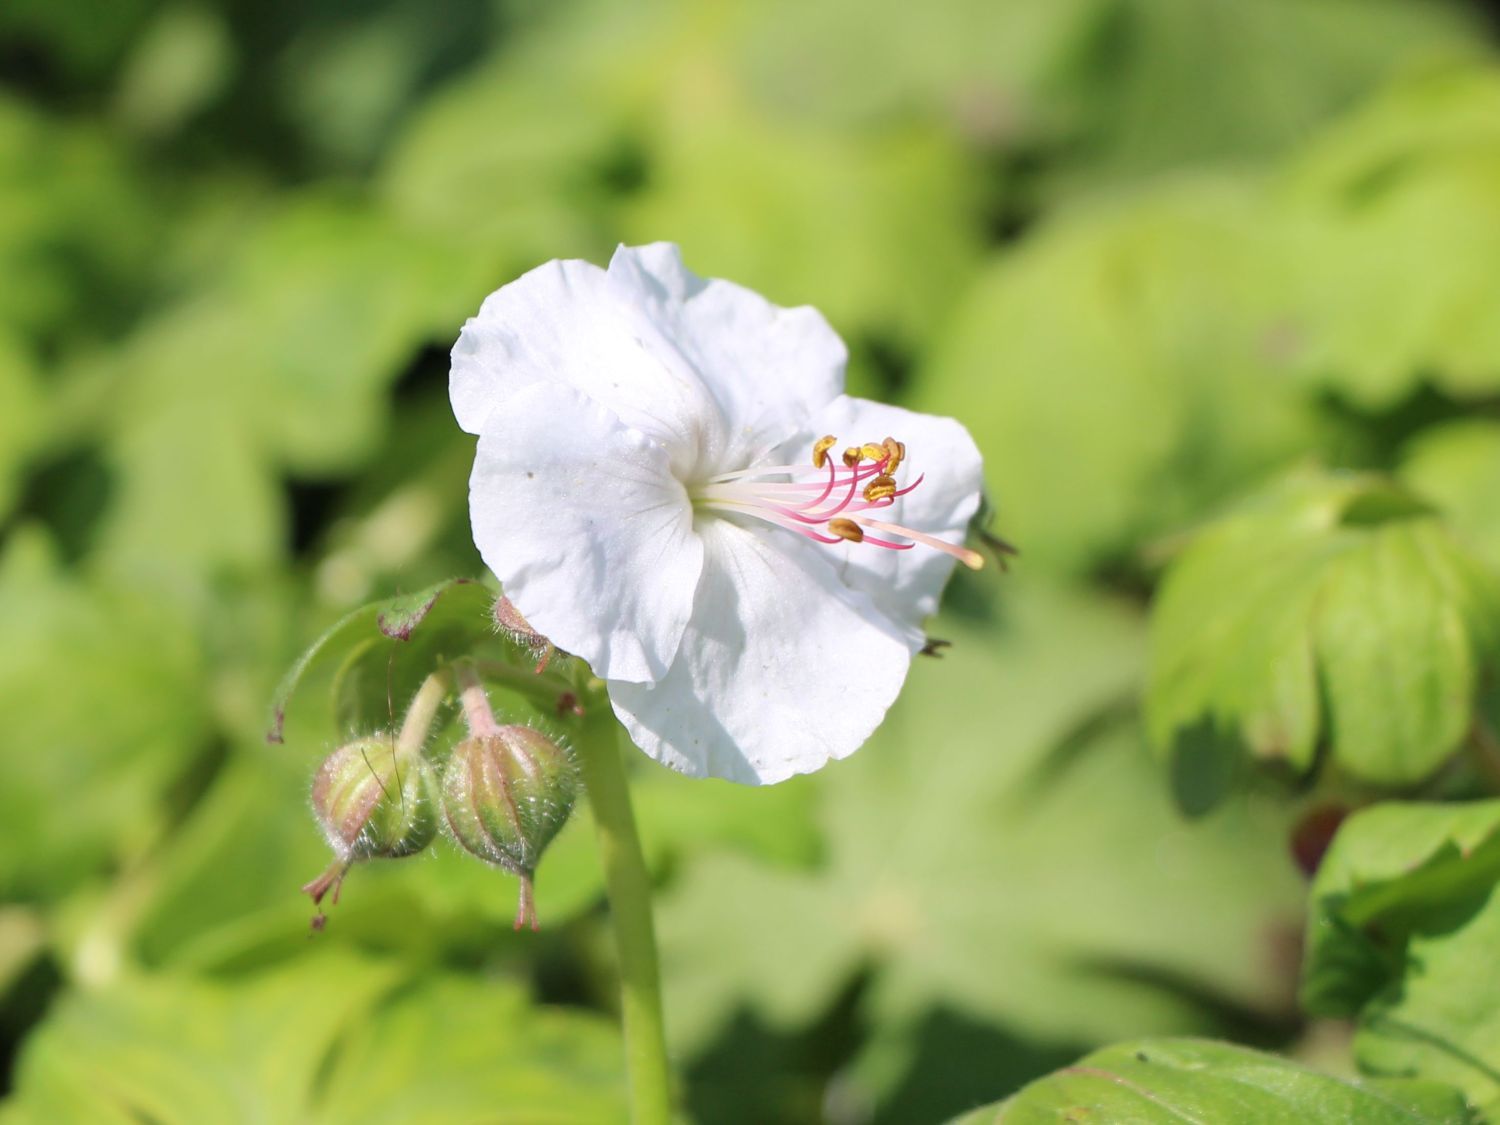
point(629, 888)
point(422, 712)
point(476, 704)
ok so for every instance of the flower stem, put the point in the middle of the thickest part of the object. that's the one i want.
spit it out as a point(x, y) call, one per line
point(629, 889)
point(476, 704)
point(421, 713)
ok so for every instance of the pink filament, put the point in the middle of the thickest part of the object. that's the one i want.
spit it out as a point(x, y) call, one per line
point(779, 502)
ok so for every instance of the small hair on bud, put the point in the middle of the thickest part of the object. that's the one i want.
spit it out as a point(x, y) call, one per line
point(506, 795)
point(510, 621)
point(373, 801)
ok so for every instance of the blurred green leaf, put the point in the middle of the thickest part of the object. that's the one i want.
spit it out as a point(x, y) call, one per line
point(177, 65)
point(1458, 467)
point(1158, 83)
point(23, 416)
point(329, 1038)
point(1119, 371)
point(988, 65)
point(106, 703)
point(451, 1052)
point(1071, 870)
point(1402, 935)
point(76, 231)
point(1167, 1081)
point(878, 230)
point(1331, 610)
point(510, 164)
point(86, 43)
point(1396, 219)
point(281, 365)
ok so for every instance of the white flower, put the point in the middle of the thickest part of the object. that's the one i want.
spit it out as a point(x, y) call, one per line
point(651, 491)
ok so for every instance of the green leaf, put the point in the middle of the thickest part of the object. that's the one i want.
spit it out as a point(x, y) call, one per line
point(877, 229)
point(76, 233)
point(1329, 611)
point(1169, 1081)
point(1405, 920)
point(457, 1049)
point(357, 654)
point(1396, 217)
point(319, 307)
point(1027, 832)
point(106, 702)
point(1120, 370)
point(1457, 466)
point(323, 1039)
point(23, 416)
point(1158, 84)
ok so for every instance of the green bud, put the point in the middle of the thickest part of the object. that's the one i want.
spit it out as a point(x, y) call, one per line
point(373, 800)
point(505, 796)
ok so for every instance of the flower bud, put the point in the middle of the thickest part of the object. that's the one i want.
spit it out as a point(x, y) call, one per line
point(505, 796)
point(374, 800)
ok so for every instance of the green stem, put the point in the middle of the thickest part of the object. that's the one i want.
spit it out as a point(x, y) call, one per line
point(541, 688)
point(629, 889)
point(422, 712)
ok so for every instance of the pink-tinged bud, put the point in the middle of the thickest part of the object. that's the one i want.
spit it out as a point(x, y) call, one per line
point(505, 796)
point(508, 620)
point(374, 800)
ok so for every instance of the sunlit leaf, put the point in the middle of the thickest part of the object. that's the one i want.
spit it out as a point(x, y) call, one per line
point(1168, 1081)
point(1458, 468)
point(1332, 610)
point(1397, 225)
point(1120, 371)
point(980, 862)
point(1402, 937)
point(324, 1039)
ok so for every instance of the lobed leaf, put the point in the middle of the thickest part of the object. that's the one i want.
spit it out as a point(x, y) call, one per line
point(1330, 611)
point(1170, 1081)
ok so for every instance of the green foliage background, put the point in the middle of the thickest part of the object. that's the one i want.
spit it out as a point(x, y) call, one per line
point(1178, 264)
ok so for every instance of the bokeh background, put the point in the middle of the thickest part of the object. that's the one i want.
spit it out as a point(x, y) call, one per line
point(1152, 252)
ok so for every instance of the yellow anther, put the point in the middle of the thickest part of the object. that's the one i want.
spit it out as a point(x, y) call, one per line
point(847, 529)
point(872, 452)
point(895, 453)
point(852, 456)
point(820, 450)
point(881, 488)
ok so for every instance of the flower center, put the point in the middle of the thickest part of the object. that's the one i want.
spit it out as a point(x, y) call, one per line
point(837, 500)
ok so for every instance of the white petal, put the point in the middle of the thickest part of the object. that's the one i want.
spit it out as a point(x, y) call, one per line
point(906, 584)
point(781, 668)
point(565, 322)
point(590, 534)
point(770, 369)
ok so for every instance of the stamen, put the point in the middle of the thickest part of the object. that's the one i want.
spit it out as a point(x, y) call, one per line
point(971, 559)
point(895, 453)
point(775, 494)
point(847, 529)
point(820, 450)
